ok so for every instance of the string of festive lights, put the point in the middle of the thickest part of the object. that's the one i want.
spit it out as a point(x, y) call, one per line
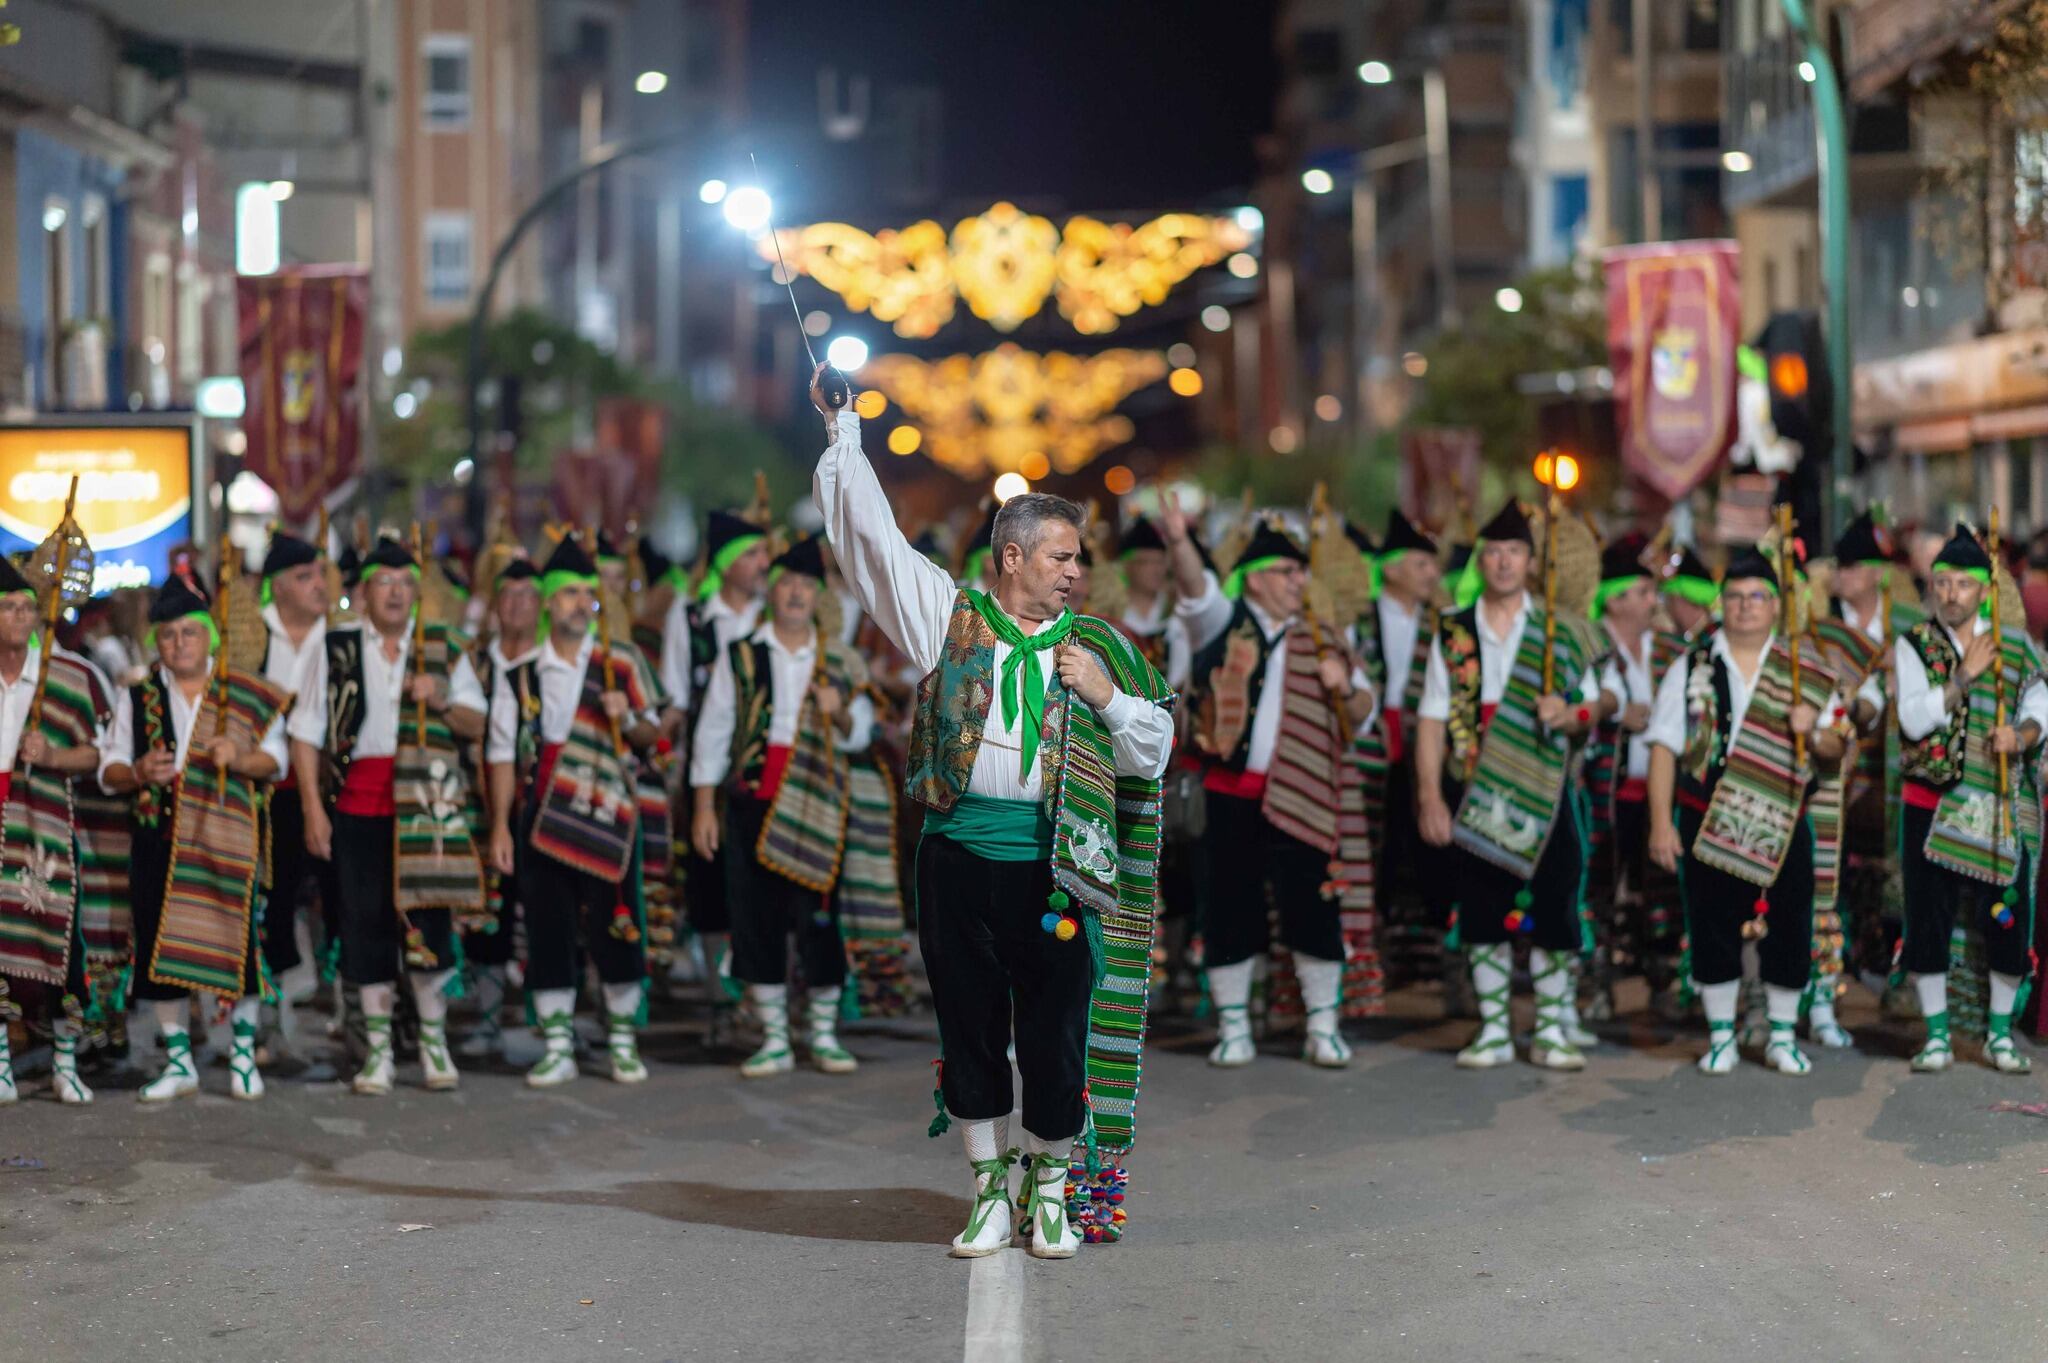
point(1005, 264)
point(1012, 410)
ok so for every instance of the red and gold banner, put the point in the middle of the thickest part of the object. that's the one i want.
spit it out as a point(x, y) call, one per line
point(302, 356)
point(1439, 473)
point(1674, 315)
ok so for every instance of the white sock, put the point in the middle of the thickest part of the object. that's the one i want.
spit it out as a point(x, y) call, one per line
point(1230, 986)
point(65, 1027)
point(2005, 992)
point(1933, 992)
point(172, 1017)
point(247, 1009)
point(377, 999)
point(427, 996)
point(1718, 1001)
point(986, 1139)
point(1782, 1005)
point(548, 1002)
point(622, 1000)
point(1491, 965)
point(1320, 981)
point(1061, 1150)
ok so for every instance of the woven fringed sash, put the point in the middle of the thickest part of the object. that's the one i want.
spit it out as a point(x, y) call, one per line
point(216, 849)
point(436, 865)
point(38, 856)
point(1965, 835)
point(1106, 836)
point(1511, 802)
point(1851, 653)
point(871, 893)
point(803, 835)
point(589, 815)
point(1755, 808)
point(105, 919)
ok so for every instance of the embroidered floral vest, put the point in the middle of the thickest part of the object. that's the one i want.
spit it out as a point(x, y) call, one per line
point(1708, 706)
point(952, 710)
point(754, 696)
point(1229, 676)
point(1936, 759)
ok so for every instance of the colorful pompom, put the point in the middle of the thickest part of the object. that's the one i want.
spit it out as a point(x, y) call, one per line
point(1051, 922)
point(1065, 929)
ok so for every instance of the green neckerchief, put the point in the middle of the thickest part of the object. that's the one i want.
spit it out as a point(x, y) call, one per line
point(1031, 688)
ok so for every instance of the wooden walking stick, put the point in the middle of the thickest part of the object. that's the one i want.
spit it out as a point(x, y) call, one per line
point(1788, 610)
point(53, 607)
point(222, 624)
point(2002, 825)
point(604, 642)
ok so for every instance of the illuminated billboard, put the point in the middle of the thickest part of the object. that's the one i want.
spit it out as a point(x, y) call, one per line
point(134, 493)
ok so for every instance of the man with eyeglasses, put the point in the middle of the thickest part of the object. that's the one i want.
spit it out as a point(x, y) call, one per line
point(1735, 740)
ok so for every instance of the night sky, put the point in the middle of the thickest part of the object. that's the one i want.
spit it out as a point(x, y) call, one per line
point(1108, 105)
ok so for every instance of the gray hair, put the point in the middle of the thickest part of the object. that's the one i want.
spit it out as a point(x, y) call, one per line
point(1022, 521)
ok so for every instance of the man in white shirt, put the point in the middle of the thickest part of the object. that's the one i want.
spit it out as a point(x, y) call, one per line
point(810, 700)
point(1951, 671)
point(1696, 723)
point(696, 634)
point(1148, 616)
point(998, 871)
point(295, 609)
point(1249, 633)
point(1495, 904)
point(64, 742)
point(575, 720)
point(151, 741)
point(345, 732)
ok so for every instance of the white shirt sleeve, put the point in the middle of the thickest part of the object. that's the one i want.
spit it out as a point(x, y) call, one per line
point(1180, 655)
point(1141, 733)
point(1590, 682)
point(464, 690)
point(1667, 711)
point(711, 751)
point(2033, 707)
point(1204, 616)
point(273, 743)
point(675, 653)
point(1362, 683)
point(1613, 683)
point(862, 710)
point(1436, 686)
point(501, 738)
point(308, 723)
point(908, 595)
point(1922, 708)
point(1872, 691)
point(118, 742)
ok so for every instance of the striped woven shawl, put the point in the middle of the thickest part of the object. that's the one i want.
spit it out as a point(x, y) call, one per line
point(589, 815)
point(216, 846)
point(1755, 807)
point(803, 834)
point(436, 865)
point(1850, 652)
point(1511, 801)
point(1967, 835)
point(1106, 836)
point(38, 853)
point(871, 892)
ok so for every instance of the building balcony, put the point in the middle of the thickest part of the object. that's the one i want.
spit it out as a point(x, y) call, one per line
point(1890, 38)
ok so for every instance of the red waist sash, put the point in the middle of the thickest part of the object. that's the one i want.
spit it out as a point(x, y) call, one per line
point(367, 790)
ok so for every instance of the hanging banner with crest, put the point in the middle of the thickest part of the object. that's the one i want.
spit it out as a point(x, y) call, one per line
point(301, 336)
point(1674, 316)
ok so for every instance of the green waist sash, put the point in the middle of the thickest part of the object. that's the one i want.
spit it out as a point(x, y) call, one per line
point(1000, 830)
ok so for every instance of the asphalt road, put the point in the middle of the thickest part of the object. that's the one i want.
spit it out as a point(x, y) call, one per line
point(1399, 1210)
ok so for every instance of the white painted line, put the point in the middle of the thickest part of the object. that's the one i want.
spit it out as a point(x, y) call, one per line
point(995, 1309)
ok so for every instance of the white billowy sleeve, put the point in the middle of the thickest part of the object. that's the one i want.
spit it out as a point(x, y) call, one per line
point(1205, 616)
point(274, 745)
point(1922, 708)
point(908, 595)
point(1141, 733)
point(501, 733)
point(308, 721)
point(711, 748)
point(675, 653)
point(1667, 711)
point(464, 690)
point(117, 743)
point(1436, 686)
point(861, 712)
point(1180, 655)
point(2033, 707)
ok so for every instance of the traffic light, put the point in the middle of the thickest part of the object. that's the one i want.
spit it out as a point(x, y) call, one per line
point(1802, 405)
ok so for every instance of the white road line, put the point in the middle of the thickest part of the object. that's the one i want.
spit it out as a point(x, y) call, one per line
point(995, 1309)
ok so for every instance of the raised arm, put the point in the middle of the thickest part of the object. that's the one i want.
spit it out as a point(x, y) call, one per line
point(910, 597)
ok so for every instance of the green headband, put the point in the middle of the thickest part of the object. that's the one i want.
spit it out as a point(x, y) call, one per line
point(1700, 591)
point(714, 574)
point(35, 640)
point(1234, 588)
point(1610, 588)
point(552, 582)
point(1981, 576)
point(212, 631)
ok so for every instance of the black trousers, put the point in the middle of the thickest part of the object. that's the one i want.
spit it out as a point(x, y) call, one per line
point(1718, 904)
point(149, 869)
point(1241, 857)
point(495, 948)
point(1408, 865)
point(372, 939)
point(768, 909)
point(989, 959)
point(561, 904)
point(707, 901)
point(1937, 898)
point(292, 868)
point(1486, 892)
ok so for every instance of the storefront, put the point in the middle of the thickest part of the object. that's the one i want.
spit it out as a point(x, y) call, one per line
point(135, 482)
